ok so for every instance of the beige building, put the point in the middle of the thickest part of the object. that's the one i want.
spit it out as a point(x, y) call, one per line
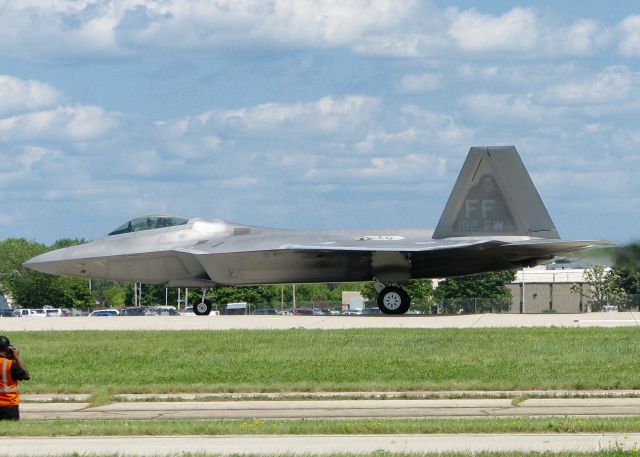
point(539, 290)
point(352, 300)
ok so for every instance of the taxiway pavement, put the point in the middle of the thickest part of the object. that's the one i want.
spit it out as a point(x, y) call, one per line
point(334, 409)
point(318, 322)
point(315, 444)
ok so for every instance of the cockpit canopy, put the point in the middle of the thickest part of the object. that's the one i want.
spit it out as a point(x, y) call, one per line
point(149, 223)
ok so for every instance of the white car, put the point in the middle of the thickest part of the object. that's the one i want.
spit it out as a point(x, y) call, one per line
point(56, 312)
point(26, 312)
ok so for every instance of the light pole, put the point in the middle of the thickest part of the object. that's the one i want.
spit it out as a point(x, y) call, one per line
point(523, 295)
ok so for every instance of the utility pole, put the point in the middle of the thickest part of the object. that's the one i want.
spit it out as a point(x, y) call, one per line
point(281, 297)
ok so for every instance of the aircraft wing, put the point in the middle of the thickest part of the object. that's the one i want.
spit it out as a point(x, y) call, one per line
point(285, 257)
point(322, 242)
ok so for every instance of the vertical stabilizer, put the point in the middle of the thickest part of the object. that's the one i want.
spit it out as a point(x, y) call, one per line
point(494, 196)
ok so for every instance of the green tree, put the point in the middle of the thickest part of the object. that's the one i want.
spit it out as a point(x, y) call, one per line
point(31, 289)
point(629, 281)
point(487, 290)
point(603, 288)
point(255, 295)
point(421, 292)
point(115, 296)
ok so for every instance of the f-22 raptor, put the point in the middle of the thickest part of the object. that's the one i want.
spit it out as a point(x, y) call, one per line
point(494, 220)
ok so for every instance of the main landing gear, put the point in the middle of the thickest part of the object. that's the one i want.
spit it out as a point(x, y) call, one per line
point(392, 299)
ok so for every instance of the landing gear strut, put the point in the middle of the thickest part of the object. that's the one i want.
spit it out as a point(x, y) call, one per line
point(392, 299)
point(203, 308)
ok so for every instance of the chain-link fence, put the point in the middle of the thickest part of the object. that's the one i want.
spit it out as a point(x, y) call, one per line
point(472, 305)
point(617, 303)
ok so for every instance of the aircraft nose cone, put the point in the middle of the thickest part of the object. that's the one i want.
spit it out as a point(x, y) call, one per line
point(49, 262)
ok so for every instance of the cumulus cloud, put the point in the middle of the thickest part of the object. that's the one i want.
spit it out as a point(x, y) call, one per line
point(613, 85)
point(68, 29)
point(17, 95)
point(629, 29)
point(33, 110)
point(19, 163)
point(415, 84)
point(349, 141)
point(112, 28)
point(582, 38)
point(408, 166)
point(67, 123)
point(513, 31)
point(333, 117)
point(505, 107)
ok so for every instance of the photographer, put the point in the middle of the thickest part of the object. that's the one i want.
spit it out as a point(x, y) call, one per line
point(12, 370)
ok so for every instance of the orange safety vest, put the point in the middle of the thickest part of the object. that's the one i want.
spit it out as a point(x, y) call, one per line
point(9, 395)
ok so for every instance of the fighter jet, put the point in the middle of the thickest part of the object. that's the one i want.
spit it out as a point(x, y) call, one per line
point(494, 220)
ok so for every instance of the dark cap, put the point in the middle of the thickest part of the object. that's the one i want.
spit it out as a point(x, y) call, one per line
point(4, 343)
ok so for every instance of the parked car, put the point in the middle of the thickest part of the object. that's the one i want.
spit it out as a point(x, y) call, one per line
point(371, 311)
point(57, 312)
point(321, 312)
point(7, 312)
point(302, 312)
point(352, 312)
point(265, 312)
point(27, 312)
point(164, 311)
point(133, 311)
point(104, 313)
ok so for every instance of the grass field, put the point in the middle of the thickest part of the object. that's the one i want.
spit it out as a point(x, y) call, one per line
point(326, 360)
point(320, 427)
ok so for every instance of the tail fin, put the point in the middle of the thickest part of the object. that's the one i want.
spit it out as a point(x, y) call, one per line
point(494, 195)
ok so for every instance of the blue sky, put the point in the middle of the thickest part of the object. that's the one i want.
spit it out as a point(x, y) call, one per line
point(311, 114)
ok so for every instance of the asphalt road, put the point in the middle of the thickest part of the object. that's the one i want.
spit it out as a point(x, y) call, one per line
point(331, 409)
point(319, 322)
point(316, 444)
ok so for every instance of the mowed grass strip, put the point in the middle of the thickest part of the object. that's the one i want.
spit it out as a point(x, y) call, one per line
point(330, 360)
point(319, 427)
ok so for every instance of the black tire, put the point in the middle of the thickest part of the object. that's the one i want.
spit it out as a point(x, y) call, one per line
point(393, 300)
point(202, 309)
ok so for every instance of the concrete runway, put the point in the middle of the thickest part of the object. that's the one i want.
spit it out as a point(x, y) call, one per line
point(319, 322)
point(335, 409)
point(316, 444)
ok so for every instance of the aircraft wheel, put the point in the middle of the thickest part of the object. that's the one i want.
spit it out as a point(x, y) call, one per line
point(202, 309)
point(393, 300)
